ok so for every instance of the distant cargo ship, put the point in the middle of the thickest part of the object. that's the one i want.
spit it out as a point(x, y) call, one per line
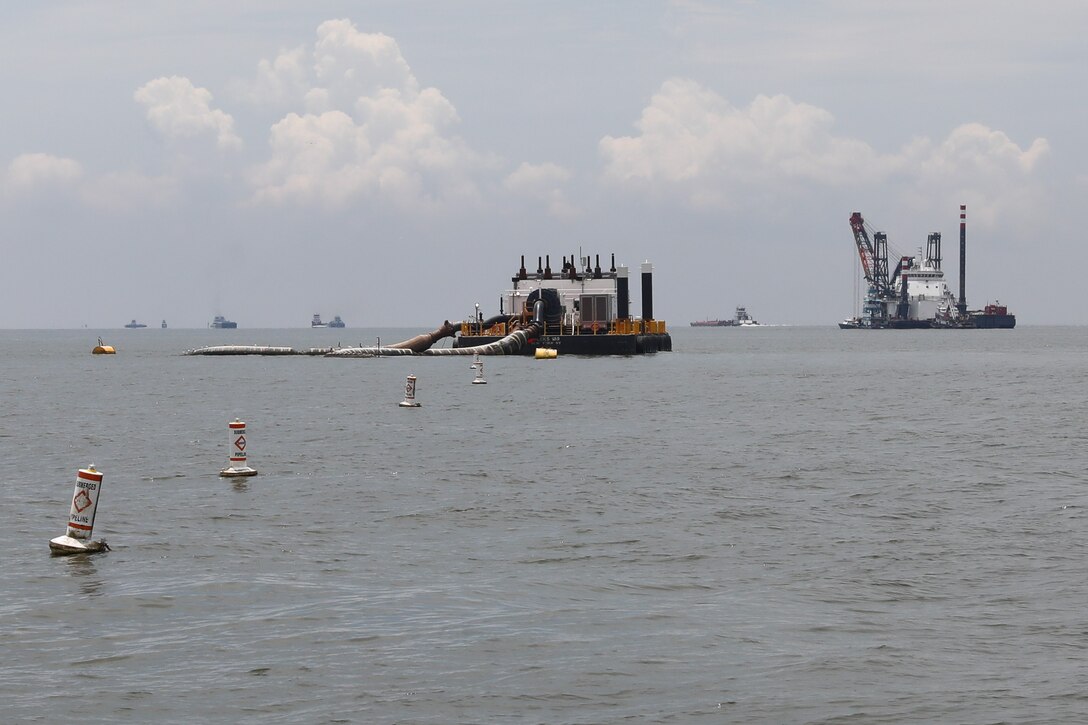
point(316, 322)
point(222, 323)
point(337, 322)
point(134, 325)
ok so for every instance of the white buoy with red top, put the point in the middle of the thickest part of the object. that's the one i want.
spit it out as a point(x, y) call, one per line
point(409, 393)
point(77, 539)
point(237, 451)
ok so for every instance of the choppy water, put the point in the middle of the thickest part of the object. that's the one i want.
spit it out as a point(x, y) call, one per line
point(766, 525)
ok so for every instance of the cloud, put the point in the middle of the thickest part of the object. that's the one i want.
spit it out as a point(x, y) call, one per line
point(693, 142)
point(280, 80)
point(543, 182)
point(975, 149)
point(366, 130)
point(179, 110)
point(352, 64)
point(31, 172)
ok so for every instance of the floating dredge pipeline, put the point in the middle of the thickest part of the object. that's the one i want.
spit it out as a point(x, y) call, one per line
point(511, 344)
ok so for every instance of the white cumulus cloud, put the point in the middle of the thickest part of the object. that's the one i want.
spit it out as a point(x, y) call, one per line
point(365, 130)
point(179, 110)
point(29, 172)
point(693, 142)
point(279, 80)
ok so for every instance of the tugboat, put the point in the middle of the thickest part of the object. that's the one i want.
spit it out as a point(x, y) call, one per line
point(743, 319)
point(316, 322)
point(134, 325)
point(337, 322)
point(222, 323)
point(164, 324)
point(585, 311)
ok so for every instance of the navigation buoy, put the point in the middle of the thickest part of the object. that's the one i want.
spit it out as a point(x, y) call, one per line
point(237, 451)
point(103, 349)
point(546, 353)
point(475, 362)
point(77, 539)
point(409, 393)
point(479, 365)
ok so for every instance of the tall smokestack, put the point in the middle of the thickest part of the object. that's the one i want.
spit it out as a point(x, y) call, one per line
point(962, 306)
point(623, 295)
point(647, 291)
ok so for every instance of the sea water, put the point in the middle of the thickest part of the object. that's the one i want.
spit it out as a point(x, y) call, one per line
point(766, 525)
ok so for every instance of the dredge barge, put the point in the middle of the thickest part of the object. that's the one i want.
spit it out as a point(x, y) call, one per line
point(914, 295)
point(583, 310)
point(586, 311)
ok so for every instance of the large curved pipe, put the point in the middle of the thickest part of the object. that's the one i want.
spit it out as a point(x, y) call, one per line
point(412, 346)
point(419, 343)
point(509, 345)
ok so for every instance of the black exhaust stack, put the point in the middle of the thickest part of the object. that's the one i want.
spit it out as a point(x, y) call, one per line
point(647, 291)
point(962, 306)
point(623, 295)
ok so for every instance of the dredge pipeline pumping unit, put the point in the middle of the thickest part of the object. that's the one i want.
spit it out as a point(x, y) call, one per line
point(582, 310)
point(914, 295)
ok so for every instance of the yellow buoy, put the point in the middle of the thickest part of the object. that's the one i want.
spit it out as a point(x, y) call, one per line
point(102, 349)
point(546, 353)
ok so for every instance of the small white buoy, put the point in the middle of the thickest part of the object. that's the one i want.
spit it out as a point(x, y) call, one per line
point(237, 451)
point(479, 365)
point(409, 393)
point(77, 538)
point(475, 362)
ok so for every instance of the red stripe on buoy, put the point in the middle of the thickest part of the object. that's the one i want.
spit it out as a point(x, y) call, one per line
point(79, 526)
point(89, 476)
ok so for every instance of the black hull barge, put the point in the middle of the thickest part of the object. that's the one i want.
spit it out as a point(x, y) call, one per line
point(585, 311)
point(581, 311)
point(604, 344)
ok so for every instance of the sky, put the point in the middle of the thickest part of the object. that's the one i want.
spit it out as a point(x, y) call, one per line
point(390, 161)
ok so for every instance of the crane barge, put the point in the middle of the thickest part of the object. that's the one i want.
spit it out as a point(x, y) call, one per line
point(914, 295)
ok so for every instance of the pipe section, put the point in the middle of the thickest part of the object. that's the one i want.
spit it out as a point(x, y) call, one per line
point(509, 345)
point(419, 343)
